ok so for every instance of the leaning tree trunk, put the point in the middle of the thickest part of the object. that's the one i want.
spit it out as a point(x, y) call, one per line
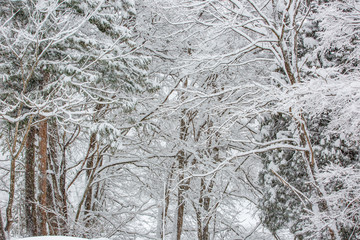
point(30, 200)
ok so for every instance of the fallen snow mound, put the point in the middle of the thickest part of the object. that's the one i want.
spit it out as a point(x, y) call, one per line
point(59, 238)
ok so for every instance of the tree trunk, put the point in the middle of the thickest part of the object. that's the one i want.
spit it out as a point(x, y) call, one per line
point(2, 232)
point(183, 185)
point(165, 205)
point(54, 200)
point(64, 211)
point(182, 162)
point(89, 169)
point(62, 180)
point(30, 200)
point(9, 218)
point(91, 174)
point(14, 155)
point(203, 216)
point(181, 198)
point(43, 175)
point(198, 219)
point(206, 207)
point(51, 216)
point(202, 213)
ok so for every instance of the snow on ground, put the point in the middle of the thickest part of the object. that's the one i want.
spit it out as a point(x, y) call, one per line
point(57, 238)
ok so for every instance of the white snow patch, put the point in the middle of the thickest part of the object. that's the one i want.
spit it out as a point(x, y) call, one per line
point(274, 167)
point(57, 238)
point(310, 42)
point(337, 143)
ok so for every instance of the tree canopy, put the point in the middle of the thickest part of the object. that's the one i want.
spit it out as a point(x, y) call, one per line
point(178, 119)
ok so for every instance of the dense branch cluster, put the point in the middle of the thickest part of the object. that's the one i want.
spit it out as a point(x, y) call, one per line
point(180, 119)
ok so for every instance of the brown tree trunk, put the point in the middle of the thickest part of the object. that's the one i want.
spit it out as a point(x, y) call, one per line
point(88, 205)
point(64, 211)
point(183, 185)
point(54, 199)
point(2, 232)
point(30, 200)
point(202, 212)
point(62, 180)
point(165, 206)
point(206, 208)
point(14, 155)
point(181, 198)
point(95, 158)
point(182, 162)
point(43, 175)
point(11, 196)
point(94, 195)
point(51, 216)
point(198, 219)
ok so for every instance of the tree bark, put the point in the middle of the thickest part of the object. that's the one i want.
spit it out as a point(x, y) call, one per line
point(9, 219)
point(2, 232)
point(89, 170)
point(62, 180)
point(165, 205)
point(30, 200)
point(64, 211)
point(63, 193)
point(183, 185)
point(54, 200)
point(181, 198)
point(14, 155)
point(43, 134)
point(182, 162)
point(91, 177)
point(51, 216)
point(206, 206)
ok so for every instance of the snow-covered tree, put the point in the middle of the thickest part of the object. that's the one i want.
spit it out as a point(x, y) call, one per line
point(326, 98)
point(256, 108)
point(63, 63)
point(199, 184)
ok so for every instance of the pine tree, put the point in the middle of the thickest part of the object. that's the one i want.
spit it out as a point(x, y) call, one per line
point(61, 60)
